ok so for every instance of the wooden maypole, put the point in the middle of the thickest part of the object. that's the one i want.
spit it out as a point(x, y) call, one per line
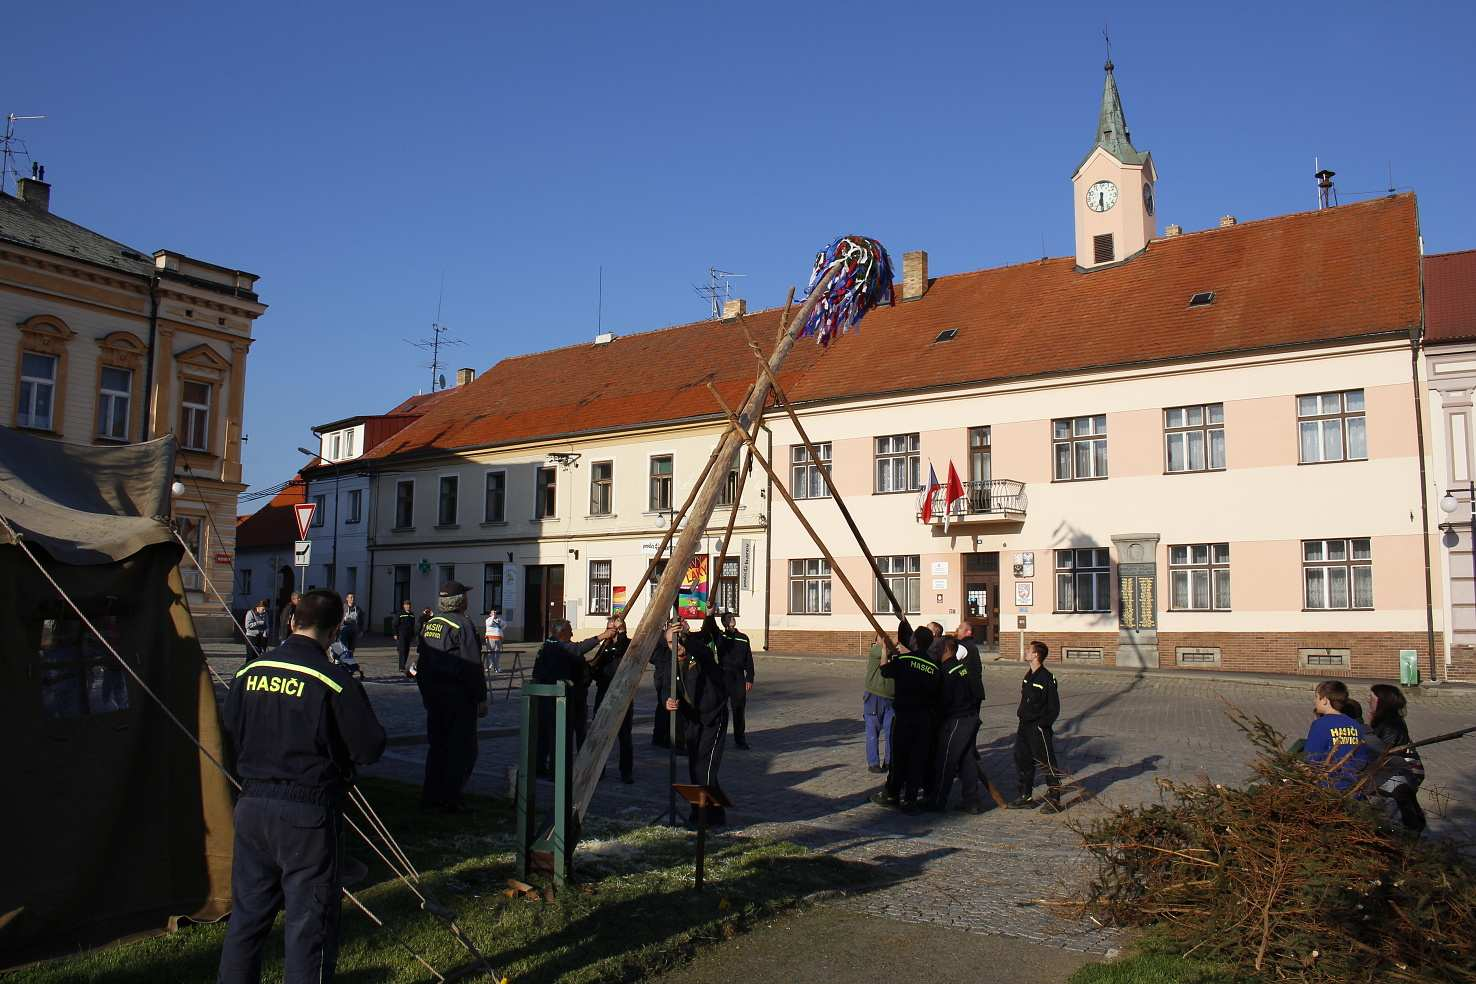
point(865, 271)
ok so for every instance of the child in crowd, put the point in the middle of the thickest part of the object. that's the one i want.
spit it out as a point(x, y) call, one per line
point(1400, 773)
point(1335, 740)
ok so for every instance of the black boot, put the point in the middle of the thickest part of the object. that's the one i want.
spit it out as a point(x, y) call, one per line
point(1024, 800)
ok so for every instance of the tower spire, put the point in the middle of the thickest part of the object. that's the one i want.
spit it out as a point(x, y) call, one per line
point(1112, 131)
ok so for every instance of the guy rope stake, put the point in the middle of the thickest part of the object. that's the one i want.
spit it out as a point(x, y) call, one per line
point(850, 277)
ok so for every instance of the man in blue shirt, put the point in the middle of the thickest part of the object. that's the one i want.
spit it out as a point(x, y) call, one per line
point(1336, 741)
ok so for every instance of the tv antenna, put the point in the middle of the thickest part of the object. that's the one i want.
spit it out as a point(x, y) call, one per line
point(440, 336)
point(12, 147)
point(718, 290)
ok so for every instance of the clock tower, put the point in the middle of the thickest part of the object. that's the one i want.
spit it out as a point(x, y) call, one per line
point(1114, 190)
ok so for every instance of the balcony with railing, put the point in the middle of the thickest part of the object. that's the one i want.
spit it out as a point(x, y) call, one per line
point(982, 502)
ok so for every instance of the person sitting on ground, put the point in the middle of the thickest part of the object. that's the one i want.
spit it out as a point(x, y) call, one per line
point(1399, 773)
point(1336, 741)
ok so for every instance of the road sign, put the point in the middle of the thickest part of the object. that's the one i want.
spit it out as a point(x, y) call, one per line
point(303, 513)
point(302, 553)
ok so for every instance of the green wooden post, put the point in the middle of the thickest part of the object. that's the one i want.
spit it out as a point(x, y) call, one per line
point(558, 839)
point(526, 806)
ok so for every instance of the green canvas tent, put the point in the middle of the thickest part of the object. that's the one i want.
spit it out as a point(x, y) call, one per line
point(112, 823)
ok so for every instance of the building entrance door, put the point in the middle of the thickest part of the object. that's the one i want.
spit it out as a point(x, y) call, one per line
point(543, 599)
point(981, 597)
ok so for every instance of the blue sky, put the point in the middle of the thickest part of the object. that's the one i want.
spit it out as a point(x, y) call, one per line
point(352, 155)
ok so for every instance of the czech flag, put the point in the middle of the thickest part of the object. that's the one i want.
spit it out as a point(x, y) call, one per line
point(927, 503)
point(953, 493)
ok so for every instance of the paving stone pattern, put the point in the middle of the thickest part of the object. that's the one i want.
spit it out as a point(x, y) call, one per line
point(805, 778)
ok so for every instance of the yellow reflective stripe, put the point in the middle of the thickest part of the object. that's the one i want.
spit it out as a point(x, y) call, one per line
point(324, 678)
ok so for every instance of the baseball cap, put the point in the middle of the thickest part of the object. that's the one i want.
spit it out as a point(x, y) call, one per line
point(451, 588)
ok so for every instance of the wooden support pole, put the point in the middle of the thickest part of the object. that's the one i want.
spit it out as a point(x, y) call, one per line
point(627, 677)
point(824, 468)
point(824, 550)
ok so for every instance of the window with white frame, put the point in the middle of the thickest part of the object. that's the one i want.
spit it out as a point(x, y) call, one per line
point(450, 487)
point(114, 401)
point(192, 532)
point(37, 390)
point(494, 503)
point(1337, 573)
point(805, 480)
point(898, 463)
point(727, 586)
point(1194, 438)
point(546, 493)
point(335, 446)
point(320, 510)
point(599, 587)
point(728, 494)
point(492, 587)
point(1331, 427)
point(405, 504)
point(1083, 580)
point(355, 506)
point(245, 581)
point(809, 587)
point(1199, 577)
point(194, 415)
point(661, 468)
point(903, 574)
point(601, 488)
point(1079, 447)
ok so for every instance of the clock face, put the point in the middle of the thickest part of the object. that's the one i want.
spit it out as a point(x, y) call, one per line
point(1148, 197)
point(1101, 196)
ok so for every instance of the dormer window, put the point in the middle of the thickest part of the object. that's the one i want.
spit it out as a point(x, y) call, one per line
point(1202, 299)
point(946, 335)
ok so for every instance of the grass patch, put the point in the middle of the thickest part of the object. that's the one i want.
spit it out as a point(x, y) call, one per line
point(1155, 968)
point(639, 915)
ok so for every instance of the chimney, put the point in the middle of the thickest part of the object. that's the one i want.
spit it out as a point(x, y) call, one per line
point(35, 193)
point(465, 376)
point(1226, 221)
point(1172, 229)
point(914, 274)
point(735, 308)
point(605, 338)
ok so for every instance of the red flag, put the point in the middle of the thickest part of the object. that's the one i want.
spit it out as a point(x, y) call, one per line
point(927, 503)
point(953, 493)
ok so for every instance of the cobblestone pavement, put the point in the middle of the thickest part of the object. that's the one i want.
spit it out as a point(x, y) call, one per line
point(805, 778)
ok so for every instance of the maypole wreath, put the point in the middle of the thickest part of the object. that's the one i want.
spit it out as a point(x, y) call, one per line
point(864, 281)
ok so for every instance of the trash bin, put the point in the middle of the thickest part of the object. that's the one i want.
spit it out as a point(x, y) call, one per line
point(1409, 667)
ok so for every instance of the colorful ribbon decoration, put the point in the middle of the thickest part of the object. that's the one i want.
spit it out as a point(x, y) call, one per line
point(865, 281)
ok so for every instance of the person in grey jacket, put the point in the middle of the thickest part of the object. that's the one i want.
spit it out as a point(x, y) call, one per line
point(258, 625)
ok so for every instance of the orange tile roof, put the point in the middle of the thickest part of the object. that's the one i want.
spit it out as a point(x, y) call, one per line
point(273, 525)
point(1341, 273)
point(1450, 297)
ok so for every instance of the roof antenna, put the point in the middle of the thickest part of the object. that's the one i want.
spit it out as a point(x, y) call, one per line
point(1042, 245)
point(1391, 177)
point(439, 336)
point(12, 147)
point(1327, 195)
point(718, 289)
point(600, 305)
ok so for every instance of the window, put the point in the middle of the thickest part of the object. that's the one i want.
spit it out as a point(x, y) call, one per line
point(353, 581)
point(897, 463)
point(448, 573)
point(1337, 573)
point(602, 488)
point(191, 531)
point(245, 582)
point(599, 587)
point(727, 586)
point(494, 505)
point(903, 574)
point(446, 508)
point(115, 395)
point(1082, 581)
point(1194, 437)
point(657, 569)
point(728, 494)
point(405, 504)
point(37, 391)
point(805, 481)
point(491, 587)
point(980, 468)
point(402, 585)
point(1080, 446)
point(809, 587)
point(332, 577)
point(660, 483)
point(546, 494)
point(1330, 427)
point(336, 447)
point(355, 506)
point(320, 510)
point(1199, 577)
point(350, 440)
point(194, 415)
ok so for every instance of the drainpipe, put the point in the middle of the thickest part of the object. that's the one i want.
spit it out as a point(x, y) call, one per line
point(769, 542)
point(1414, 379)
point(153, 343)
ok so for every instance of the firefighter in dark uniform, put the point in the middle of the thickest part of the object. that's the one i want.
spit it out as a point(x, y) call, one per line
point(735, 653)
point(660, 663)
point(700, 702)
point(606, 662)
point(1040, 705)
point(299, 726)
point(919, 683)
point(407, 629)
point(453, 688)
point(561, 658)
point(962, 694)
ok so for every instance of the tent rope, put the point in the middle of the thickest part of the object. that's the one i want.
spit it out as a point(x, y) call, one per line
point(19, 541)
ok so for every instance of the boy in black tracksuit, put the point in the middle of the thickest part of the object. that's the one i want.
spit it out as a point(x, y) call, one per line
point(963, 692)
point(1040, 705)
point(919, 684)
point(700, 701)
